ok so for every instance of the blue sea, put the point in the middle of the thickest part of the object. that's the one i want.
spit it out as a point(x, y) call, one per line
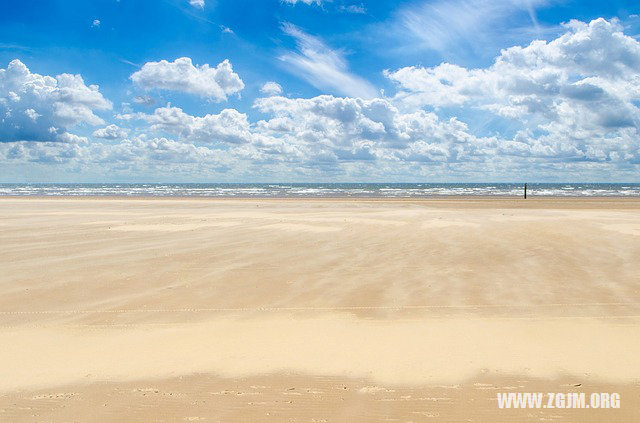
point(356, 190)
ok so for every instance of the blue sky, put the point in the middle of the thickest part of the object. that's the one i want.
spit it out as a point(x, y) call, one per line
point(318, 90)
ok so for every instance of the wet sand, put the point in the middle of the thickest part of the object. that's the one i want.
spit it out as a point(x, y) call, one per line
point(118, 309)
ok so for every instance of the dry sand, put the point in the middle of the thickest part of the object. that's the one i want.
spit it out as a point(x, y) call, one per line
point(315, 310)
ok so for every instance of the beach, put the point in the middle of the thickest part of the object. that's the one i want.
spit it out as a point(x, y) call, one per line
point(316, 309)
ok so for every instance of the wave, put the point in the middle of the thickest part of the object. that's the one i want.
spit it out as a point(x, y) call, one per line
point(271, 190)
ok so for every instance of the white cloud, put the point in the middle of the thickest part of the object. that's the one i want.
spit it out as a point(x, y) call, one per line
point(322, 67)
point(318, 2)
point(144, 100)
point(591, 62)
point(155, 152)
point(67, 137)
point(32, 114)
point(34, 107)
point(572, 103)
point(353, 128)
point(111, 132)
point(197, 3)
point(271, 88)
point(357, 9)
point(96, 23)
point(229, 126)
point(181, 75)
point(323, 137)
point(48, 153)
point(576, 92)
point(137, 156)
point(321, 132)
point(454, 25)
point(353, 8)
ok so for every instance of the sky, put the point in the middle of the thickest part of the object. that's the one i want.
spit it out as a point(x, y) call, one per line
point(319, 91)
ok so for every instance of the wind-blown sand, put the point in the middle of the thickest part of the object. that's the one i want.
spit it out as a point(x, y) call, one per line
point(315, 310)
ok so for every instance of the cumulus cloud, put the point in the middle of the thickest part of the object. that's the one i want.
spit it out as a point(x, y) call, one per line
point(32, 114)
point(320, 136)
point(197, 3)
point(144, 100)
point(572, 102)
point(37, 107)
point(158, 151)
point(136, 156)
point(229, 126)
point(181, 75)
point(323, 131)
point(271, 88)
point(322, 67)
point(48, 153)
point(588, 61)
point(111, 132)
point(578, 93)
point(358, 129)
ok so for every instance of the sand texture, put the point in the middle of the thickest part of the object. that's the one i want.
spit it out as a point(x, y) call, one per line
point(313, 310)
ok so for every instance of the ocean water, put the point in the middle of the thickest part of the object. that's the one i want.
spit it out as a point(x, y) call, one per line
point(283, 190)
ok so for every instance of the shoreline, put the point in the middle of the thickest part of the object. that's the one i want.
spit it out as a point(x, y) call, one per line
point(330, 198)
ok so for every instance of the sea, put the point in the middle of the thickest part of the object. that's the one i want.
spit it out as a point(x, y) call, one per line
point(296, 190)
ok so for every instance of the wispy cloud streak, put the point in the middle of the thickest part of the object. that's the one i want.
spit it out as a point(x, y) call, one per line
point(323, 67)
point(446, 26)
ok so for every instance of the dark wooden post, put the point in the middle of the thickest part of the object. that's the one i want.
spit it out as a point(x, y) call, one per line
point(525, 191)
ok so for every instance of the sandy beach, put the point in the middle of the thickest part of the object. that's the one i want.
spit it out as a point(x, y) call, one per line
point(314, 310)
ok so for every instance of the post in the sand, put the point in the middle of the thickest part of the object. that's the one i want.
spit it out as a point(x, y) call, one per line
point(525, 191)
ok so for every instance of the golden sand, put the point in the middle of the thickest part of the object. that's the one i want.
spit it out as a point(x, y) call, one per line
point(315, 310)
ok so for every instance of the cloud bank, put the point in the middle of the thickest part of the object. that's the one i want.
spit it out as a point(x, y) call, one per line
point(572, 103)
